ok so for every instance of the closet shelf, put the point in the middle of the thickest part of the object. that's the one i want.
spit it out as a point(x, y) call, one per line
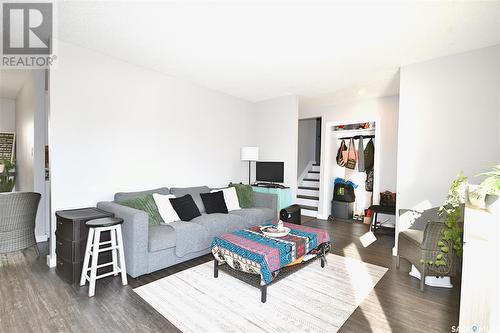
point(357, 137)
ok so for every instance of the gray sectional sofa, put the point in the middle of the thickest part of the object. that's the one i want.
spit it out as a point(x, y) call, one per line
point(149, 248)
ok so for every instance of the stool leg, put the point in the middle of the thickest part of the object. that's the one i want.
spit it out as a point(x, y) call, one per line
point(113, 252)
point(90, 239)
point(123, 270)
point(95, 256)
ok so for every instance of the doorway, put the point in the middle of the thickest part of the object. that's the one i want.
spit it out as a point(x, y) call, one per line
point(308, 166)
point(24, 116)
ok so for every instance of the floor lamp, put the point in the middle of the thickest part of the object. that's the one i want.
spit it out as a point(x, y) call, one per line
point(249, 154)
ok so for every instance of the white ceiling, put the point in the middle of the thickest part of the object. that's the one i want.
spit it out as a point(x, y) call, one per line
point(259, 50)
point(11, 81)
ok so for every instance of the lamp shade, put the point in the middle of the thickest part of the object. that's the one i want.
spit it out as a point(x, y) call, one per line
point(249, 153)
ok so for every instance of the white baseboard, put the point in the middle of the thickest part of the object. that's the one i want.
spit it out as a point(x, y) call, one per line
point(51, 261)
point(41, 238)
point(394, 251)
point(441, 282)
point(322, 217)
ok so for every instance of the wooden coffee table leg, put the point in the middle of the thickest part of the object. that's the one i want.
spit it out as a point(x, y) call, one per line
point(263, 293)
point(216, 268)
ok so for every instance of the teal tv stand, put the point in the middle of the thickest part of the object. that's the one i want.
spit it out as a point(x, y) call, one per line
point(284, 194)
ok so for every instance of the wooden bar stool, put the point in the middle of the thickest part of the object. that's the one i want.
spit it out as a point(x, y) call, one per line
point(96, 227)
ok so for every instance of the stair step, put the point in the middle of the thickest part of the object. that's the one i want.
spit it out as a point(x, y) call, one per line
point(306, 202)
point(309, 197)
point(309, 207)
point(312, 176)
point(316, 165)
point(308, 188)
point(313, 171)
point(311, 180)
point(308, 193)
point(310, 213)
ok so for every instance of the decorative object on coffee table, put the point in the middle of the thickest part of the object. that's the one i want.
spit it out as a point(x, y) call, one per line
point(261, 260)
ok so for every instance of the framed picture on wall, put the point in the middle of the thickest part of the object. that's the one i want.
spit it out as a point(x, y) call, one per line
point(7, 146)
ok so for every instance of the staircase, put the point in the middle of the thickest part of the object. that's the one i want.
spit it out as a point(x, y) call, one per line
point(308, 192)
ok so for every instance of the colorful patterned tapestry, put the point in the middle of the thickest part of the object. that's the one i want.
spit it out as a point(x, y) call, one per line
point(251, 251)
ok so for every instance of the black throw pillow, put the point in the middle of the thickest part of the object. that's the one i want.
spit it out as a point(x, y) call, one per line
point(214, 202)
point(185, 207)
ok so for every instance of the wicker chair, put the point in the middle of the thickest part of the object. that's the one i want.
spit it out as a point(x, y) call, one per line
point(17, 221)
point(419, 241)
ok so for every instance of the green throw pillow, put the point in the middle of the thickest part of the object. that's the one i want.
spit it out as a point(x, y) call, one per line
point(147, 204)
point(245, 195)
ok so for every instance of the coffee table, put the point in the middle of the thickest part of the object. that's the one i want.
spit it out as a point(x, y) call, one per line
point(260, 260)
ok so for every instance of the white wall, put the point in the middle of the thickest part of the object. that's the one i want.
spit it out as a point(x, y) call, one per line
point(448, 122)
point(306, 143)
point(384, 111)
point(7, 115)
point(276, 134)
point(118, 127)
point(30, 143)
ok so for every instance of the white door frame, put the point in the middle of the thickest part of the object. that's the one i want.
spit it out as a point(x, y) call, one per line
point(326, 165)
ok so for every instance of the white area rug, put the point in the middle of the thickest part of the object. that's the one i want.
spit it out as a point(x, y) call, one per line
point(313, 299)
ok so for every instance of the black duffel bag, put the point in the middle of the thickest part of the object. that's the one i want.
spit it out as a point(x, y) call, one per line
point(343, 192)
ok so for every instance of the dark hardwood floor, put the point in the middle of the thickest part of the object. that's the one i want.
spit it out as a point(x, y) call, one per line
point(34, 299)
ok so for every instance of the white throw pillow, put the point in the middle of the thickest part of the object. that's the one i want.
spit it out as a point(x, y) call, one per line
point(230, 197)
point(167, 212)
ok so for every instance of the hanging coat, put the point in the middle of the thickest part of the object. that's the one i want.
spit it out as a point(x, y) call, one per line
point(369, 154)
point(361, 155)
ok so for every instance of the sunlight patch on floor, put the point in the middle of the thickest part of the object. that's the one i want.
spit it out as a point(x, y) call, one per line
point(358, 275)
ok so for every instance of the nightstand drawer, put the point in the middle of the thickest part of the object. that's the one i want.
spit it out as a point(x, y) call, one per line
point(71, 271)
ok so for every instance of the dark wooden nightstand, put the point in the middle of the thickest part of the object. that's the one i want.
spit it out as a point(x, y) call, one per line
point(71, 238)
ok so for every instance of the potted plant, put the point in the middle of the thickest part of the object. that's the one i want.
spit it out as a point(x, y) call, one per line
point(480, 196)
point(484, 194)
point(7, 175)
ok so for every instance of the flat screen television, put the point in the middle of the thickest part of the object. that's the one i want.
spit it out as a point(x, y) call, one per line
point(271, 172)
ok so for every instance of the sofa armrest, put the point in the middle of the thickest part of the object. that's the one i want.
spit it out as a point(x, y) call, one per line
point(135, 230)
point(266, 200)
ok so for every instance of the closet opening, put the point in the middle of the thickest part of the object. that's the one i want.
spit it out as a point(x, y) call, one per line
point(352, 171)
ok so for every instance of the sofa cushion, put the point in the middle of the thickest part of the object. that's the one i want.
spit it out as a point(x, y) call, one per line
point(414, 235)
point(245, 195)
point(122, 196)
point(147, 204)
point(217, 224)
point(161, 237)
point(214, 202)
point(185, 207)
point(254, 216)
point(194, 192)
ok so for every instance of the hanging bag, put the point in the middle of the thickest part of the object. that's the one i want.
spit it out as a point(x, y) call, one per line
point(369, 156)
point(351, 155)
point(343, 190)
point(340, 154)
